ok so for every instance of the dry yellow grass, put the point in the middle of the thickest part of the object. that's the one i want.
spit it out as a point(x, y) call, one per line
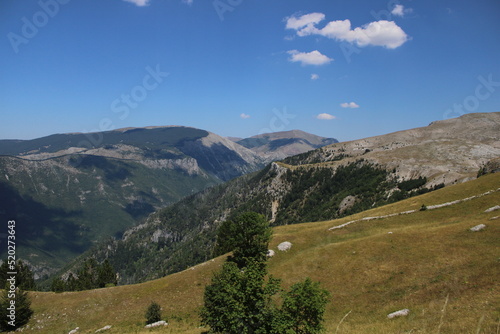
point(430, 258)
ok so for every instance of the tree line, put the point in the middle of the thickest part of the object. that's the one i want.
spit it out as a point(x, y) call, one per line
point(92, 275)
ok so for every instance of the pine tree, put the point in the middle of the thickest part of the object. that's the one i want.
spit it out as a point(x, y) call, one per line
point(25, 279)
point(247, 236)
point(239, 299)
point(106, 275)
point(71, 283)
point(57, 285)
point(87, 276)
point(153, 313)
point(15, 309)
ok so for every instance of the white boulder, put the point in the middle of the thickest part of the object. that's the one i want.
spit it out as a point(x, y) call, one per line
point(400, 313)
point(105, 328)
point(493, 208)
point(284, 246)
point(477, 228)
point(157, 324)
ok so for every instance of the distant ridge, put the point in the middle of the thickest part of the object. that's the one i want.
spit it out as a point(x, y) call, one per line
point(72, 190)
point(279, 145)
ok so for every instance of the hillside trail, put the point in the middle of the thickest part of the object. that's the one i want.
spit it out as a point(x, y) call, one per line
point(430, 207)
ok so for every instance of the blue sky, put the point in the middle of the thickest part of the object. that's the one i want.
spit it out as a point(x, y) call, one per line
point(346, 69)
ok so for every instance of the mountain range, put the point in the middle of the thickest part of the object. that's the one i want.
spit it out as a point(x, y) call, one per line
point(327, 183)
point(69, 191)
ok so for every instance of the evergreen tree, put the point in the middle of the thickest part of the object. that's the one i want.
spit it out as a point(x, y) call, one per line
point(153, 313)
point(106, 274)
point(11, 319)
point(72, 283)
point(25, 279)
point(91, 276)
point(239, 299)
point(247, 236)
point(87, 276)
point(57, 285)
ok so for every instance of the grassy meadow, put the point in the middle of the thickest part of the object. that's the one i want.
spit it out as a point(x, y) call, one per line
point(427, 261)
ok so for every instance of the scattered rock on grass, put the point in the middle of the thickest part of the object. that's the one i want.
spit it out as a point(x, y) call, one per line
point(73, 331)
point(270, 253)
point(477, 228)
point(400, 313)
point(284, 246)
point(105, 328)
point(493, 208)
point(157, 324)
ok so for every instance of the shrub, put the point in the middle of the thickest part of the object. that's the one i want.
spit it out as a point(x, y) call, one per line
point(153, 313)
point(304, 307)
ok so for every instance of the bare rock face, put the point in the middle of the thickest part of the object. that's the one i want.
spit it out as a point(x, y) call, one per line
point(347, 203)
point(492, 166)
point(447, 151)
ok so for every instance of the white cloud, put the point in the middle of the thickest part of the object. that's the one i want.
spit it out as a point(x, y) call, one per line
point(188, 2)
point(244, 116)
point(314, 76)
point(378, 33)
point(296, 23)
point(139, 3)
point(398, 10)
point(349, 105)
point(325, 116)
point(309, 58)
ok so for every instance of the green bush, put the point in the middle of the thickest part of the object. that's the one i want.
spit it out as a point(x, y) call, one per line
point(304, 307)
point(153, 313)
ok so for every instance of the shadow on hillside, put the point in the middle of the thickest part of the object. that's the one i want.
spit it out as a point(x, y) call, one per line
point(38, 226)
point(113, 170)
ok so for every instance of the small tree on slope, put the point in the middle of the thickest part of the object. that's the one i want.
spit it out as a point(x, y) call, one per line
point(239, 298)
point(153, 313)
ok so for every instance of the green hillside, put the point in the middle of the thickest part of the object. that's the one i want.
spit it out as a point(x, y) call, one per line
point(427, 261)
point(183, 234)
point(70, 191)
point(62, 211)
